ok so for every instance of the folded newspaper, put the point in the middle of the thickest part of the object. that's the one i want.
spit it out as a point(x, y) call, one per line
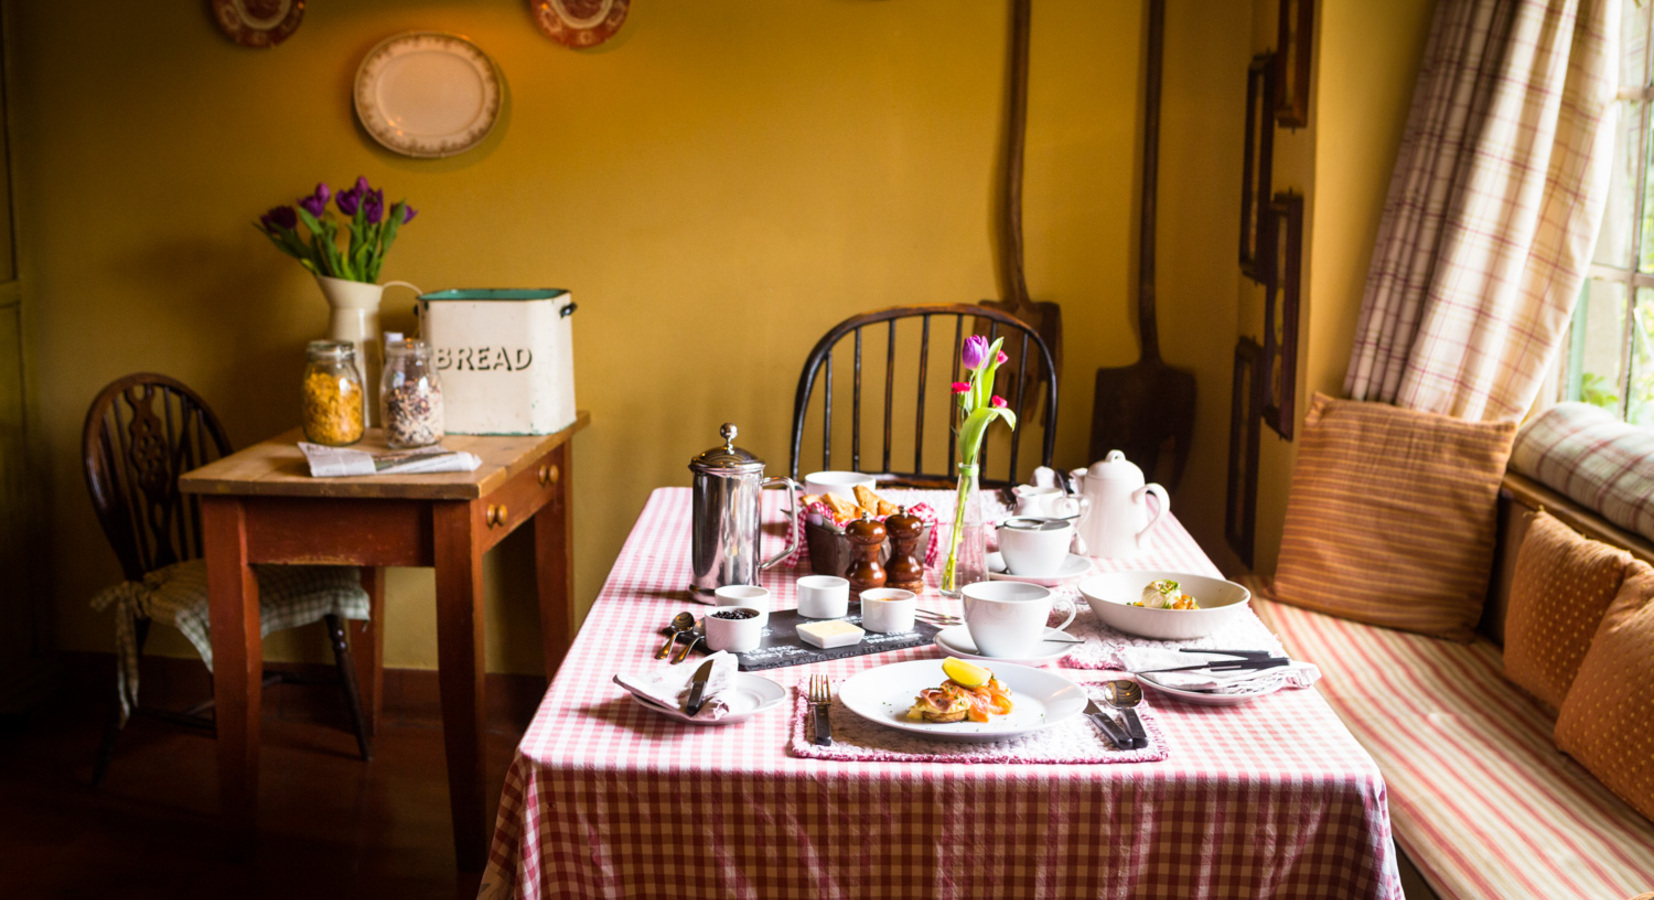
point(335, 462)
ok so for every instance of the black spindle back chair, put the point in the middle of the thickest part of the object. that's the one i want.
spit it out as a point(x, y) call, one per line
point(1029, 376)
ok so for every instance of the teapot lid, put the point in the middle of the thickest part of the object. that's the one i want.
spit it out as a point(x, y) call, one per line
point(728, 459)
point(1114, 466)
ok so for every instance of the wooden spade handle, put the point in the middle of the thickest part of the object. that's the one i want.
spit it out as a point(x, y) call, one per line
point(1017, 132)
point(1148, 330)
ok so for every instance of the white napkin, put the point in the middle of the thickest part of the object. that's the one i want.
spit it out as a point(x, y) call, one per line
point(1138, 659)
point(668, 685)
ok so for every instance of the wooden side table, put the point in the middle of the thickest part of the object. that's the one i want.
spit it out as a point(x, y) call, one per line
point(261, 506)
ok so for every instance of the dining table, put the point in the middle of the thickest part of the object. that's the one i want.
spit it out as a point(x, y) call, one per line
point(608, 798)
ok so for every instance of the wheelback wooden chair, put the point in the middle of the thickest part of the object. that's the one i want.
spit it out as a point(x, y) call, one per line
point(141, 433)
point(1027, 380)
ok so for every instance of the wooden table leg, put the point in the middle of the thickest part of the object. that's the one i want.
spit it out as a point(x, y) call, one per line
point(554, 560)
point(367, 645)
point(238, 664)
point(459, 634)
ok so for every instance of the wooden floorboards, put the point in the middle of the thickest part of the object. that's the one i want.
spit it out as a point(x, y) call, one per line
point(330, 825)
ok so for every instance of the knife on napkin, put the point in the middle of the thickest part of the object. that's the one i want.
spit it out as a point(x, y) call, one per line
point(697, 687)
point(1108, 726)
point(1227, 665)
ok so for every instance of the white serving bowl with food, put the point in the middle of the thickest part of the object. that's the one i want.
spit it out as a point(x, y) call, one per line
point(1113, 598)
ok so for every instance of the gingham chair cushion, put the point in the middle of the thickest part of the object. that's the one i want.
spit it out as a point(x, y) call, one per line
point(288, 596)
point(1596, 460)
point(1480, 799)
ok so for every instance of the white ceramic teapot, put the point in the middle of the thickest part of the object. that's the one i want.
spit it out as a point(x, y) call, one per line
point(1120, 520)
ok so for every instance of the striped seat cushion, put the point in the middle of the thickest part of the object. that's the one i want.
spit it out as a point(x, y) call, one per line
point(1480, 798)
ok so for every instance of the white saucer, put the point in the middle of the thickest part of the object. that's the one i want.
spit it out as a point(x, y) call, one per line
point(1208, 698)
point(1072, 569)
point(748, 696)
point(956, 641)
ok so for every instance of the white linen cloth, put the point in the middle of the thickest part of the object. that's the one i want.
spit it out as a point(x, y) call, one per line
point(1137, 659)
point(668, 684)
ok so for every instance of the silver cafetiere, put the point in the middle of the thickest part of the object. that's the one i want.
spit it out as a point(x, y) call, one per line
point(727, 517)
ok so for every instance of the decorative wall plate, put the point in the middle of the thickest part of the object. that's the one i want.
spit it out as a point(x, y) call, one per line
point(258, 23)
point(579, 23)
point(427, 94)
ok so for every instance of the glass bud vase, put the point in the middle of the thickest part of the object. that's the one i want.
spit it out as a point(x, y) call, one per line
point(967, 559)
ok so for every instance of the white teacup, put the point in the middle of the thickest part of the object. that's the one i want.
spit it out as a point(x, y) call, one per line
point(1007, 618)
point(841, 483)
point(733, 628)
point(1035, 546)
point(1045, 502)
point(888, 610)
point(749, 595)
point(823, 597)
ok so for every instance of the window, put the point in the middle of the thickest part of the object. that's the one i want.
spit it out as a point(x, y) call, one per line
point(1609, 358)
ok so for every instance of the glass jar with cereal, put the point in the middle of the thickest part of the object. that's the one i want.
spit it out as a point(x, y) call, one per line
point(333, 402)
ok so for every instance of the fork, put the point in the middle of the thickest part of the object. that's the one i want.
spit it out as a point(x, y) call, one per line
point(820, 696)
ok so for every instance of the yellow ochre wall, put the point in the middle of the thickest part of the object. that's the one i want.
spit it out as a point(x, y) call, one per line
point(716, 185)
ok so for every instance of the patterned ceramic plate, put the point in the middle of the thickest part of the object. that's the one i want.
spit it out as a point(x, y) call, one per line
point(1040, 698)
point(427, 94)
point(258, 23)
point(579, 23)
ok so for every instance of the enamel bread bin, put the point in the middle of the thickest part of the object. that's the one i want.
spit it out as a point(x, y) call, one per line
point(506, 358)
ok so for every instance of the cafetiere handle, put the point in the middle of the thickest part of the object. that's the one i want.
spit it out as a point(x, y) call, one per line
point(792, 510)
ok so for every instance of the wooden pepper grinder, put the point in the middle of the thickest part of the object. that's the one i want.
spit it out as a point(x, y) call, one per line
point(866, 540)
point(905, 571)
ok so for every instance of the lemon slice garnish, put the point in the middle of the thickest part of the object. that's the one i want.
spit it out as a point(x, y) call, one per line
point(968, 674)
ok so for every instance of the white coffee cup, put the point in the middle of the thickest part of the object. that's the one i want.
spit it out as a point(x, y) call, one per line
point(733, 628)
point(888, 610)
point(1035, 546)
point(841, 483)
point(750, 596)
point(823, 597)
point(1007, 618)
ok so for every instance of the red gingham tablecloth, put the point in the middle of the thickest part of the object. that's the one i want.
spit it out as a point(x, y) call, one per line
point(606, 799)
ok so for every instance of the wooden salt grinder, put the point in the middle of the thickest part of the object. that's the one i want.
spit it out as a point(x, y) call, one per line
point(866, 540)
point(905, 571)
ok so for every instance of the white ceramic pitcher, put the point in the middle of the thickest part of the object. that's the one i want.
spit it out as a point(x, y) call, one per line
point(1120, 519)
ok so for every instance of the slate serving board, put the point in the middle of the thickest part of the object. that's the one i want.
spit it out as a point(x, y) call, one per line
point(781, 646)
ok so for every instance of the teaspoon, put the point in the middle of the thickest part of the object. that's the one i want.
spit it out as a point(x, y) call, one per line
point(680, 623)
point(1124, 695)
point(694, 638)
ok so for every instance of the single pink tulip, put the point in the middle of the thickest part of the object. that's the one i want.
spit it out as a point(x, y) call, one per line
point(997, 402)
point(960, 387)
point(1001, 358)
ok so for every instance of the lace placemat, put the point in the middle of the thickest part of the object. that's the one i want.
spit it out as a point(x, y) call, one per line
point(1074, 741)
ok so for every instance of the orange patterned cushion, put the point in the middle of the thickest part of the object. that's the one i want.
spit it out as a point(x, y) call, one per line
point(1607, 719)
point(1561, 586)
point(1390, 519)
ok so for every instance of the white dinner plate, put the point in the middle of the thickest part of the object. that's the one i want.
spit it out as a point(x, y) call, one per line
point(956, 641)
point(1208, 698)
point(748, 696)
point(1076, 566)
point(1039, 699)
point(427, 94)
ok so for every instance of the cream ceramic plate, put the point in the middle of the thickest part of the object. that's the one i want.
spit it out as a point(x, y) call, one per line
point(956, 641)
point(1039, 699)
point(1075, 566)
point(427, 94)
point(749, 695)
point(1208, 698)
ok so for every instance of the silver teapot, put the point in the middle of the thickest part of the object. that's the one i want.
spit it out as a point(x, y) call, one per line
point(727, 517)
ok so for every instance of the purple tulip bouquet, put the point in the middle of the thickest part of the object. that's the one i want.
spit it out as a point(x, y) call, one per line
point(978, 407)
point(372, 229)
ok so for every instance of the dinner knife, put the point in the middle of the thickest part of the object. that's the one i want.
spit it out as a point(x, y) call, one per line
point(1108, 726)
point(1227, 665)
point(697, 687)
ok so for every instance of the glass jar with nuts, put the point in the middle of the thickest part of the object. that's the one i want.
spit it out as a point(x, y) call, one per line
point(333, 401)
point(410, 396)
